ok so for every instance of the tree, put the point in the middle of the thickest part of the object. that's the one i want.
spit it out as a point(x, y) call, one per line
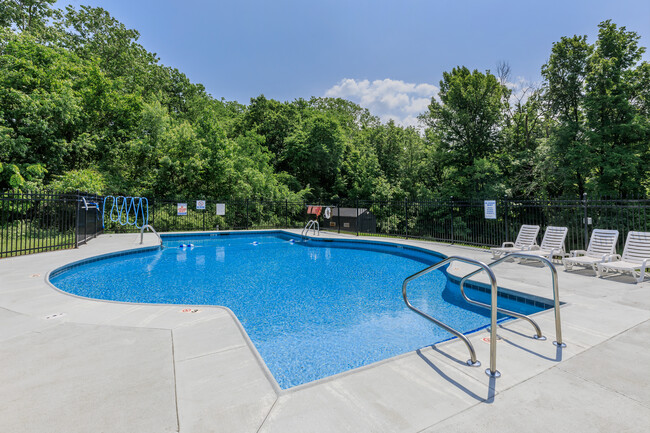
point(315, 153)
point(465, 125)
point(26, 15)
point(564, 92)
point(617, 131)
point(469, 114)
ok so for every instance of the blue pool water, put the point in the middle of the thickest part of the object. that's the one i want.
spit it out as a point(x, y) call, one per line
point(312, 308)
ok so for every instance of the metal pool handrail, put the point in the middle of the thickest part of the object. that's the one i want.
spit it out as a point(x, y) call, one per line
point(313, 225)
point(147, 226)
point(538, 332)
point(492, 371)
point(556, 296)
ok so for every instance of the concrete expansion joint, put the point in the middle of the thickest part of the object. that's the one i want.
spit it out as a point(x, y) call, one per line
point(268, 414)
point(229, 349)
point(457, 414)
point(178, 421)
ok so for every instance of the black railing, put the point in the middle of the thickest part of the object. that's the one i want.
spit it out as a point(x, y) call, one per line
point(89, 218)
point(35, 222)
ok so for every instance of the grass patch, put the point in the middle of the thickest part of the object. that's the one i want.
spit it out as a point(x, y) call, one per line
point(25, 237)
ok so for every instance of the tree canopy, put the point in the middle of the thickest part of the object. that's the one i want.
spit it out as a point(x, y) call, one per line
point(84, 106)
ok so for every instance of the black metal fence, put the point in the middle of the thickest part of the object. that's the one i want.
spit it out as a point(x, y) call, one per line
point(238, 214)
point(34, 222)
point(464, 221)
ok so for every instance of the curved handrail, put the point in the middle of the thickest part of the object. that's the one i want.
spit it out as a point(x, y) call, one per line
point(538, 332)
point(313, 225)
point(147, 226)
point(556, 296)
point(492, 371)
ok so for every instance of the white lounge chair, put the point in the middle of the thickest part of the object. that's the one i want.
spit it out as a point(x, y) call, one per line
point(526, 238)
point(552, 244)
point(602, 247)
point(635, 259)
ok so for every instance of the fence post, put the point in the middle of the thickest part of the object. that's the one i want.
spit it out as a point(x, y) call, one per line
point(86, 224)
point(406, 219)
point(338, 216)
point(451, 199)
point(356, 204)
point(505, 201)
point(584, 198)
point(286, 213)
point(246, 214)
point(153, 212)
point(76, 223)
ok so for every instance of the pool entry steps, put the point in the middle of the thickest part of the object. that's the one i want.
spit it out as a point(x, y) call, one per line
point(492, 370)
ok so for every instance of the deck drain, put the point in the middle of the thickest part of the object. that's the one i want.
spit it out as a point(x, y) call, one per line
point(190, 310)
point(55, 316)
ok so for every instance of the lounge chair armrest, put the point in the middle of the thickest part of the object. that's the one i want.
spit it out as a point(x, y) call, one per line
point(559, 252)
point(577, 253)
point(507, 244)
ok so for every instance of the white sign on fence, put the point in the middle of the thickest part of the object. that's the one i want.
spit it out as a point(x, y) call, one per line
point(181, 209)
point(221, 208)
point(490, 209)
point(200, 204)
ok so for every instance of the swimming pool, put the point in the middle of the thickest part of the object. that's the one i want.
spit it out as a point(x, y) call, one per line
point(312, 307)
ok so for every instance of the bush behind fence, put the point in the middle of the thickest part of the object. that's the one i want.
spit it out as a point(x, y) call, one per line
point(35, 222)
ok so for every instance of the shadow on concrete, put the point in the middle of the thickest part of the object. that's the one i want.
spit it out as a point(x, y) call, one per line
point(449, 357)
point(530, 336)
point(491, 391)
point(558, 351)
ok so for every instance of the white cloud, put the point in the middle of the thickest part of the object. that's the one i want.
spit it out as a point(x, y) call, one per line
point(388, 99)
point(522, 89)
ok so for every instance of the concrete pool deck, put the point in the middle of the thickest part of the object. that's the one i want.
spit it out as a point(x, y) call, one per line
point(77, 365)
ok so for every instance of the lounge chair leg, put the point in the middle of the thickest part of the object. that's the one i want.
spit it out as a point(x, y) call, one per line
point(641, 276)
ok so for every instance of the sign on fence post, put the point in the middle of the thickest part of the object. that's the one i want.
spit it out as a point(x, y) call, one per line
point(181, 209)
point(200, 204)
point(490, 209)
point(221, 208)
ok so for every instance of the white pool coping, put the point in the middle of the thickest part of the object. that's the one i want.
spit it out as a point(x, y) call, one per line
point(107, 366)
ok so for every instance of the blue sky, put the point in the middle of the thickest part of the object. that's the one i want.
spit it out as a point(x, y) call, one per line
point(388, 56)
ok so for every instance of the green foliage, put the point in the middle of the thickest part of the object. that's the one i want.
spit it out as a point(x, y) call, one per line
point(84, 106)
point(88, 181)
point(565, 74)
point(617, 133)
point(26, 15)
point(465, 129)
point(466, 121)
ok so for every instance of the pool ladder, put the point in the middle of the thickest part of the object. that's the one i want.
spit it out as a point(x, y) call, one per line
point(492, 370)
point(311, 225)
point(147, 226)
